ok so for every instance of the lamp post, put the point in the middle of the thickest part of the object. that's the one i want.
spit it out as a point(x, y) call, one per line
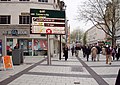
point(66, 27)
point(61, 5)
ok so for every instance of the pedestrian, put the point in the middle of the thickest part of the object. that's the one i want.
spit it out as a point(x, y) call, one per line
point(118, 79)
point(73, 50)
point(84, 51)
point(118, 53)
point(108, 54)
point(113, 52)
point(103, 50)
point(94, 53)
point(88, 51)
point(16, 47)
point(65, 50)
point(98, 52)
point(77, 48)
point(9, 50)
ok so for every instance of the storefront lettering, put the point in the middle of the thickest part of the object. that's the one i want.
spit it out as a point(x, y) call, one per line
point(15, 32)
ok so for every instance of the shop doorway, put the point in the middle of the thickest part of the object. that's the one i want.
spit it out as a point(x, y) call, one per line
point(26, 45)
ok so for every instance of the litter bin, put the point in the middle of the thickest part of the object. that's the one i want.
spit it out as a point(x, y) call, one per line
point(21, 55)
point(17, 56)
point(1, 63)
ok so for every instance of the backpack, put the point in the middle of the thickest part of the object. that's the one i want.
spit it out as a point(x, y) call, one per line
point(113, 50)
point(108, 50)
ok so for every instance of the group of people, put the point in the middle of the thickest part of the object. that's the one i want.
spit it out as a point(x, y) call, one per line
point(96, 50)
point(86, 50)
point(74, 49)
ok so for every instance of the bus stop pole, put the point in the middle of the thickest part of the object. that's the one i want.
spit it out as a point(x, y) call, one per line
point(60, 49)
point(48, 51)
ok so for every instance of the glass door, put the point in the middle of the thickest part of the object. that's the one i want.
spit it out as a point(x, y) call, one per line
point(26, 45)
point(9, 46)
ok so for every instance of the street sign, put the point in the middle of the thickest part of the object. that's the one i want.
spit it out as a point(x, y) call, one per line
point(42, 20)
point(107, 43)
point(48, 31)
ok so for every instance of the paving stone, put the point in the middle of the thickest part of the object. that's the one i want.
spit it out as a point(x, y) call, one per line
point(62, 72)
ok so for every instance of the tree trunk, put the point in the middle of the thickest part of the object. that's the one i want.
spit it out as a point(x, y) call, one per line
point(113, 42)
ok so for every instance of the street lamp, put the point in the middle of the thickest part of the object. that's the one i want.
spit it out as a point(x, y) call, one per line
point(61, 5)
point(66, 29)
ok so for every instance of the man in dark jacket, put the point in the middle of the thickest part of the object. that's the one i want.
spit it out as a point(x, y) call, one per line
point(88, 51)
point(118, 53)
point(77, 48)
point(118, 79)
point(84, 50)
point(98, 52)
point(72, 50)
point(65, 50)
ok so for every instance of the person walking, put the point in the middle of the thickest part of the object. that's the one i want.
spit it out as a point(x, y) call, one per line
point(73, 50)
point(118, 53)
point(88, 51)
point(94, 53)
point(98, 52)
point(113, 52)
point(103, 50)
point(108, 54)
point(84, 51)
point(118, 78)
point(77, 48)
point(65, 50)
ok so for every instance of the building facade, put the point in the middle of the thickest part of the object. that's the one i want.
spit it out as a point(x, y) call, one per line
point(95, 36)
point(15, 27)
point(117, 34)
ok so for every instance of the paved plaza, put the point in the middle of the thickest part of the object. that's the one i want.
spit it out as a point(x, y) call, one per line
point(74, 71)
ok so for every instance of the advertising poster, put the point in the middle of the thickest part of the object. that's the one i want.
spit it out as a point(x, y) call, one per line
point(40, 44)
point(40, 47)
point(7, 62)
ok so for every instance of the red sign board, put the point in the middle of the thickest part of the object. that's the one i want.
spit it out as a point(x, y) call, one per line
point(48, 31)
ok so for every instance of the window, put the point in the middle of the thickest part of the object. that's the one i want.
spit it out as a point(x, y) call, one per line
point(42, 0)
point(24, 0)
point(40, 47)
point(24, 19)
point(5, 0)
point(4, 19)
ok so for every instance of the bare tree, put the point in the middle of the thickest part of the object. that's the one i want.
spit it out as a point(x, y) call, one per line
point(76, 35)
point(84, 38)
point(100, 12)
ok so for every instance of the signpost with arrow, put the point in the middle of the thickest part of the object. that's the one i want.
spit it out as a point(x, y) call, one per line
point(50, 22)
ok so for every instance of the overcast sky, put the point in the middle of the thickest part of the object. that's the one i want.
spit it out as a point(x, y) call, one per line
point(71, 13)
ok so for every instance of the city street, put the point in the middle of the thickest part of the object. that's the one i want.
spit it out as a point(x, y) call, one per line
point(74, 71)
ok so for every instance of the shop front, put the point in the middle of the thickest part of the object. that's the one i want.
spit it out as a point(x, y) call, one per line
point(30, 47)
point(20, 35)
